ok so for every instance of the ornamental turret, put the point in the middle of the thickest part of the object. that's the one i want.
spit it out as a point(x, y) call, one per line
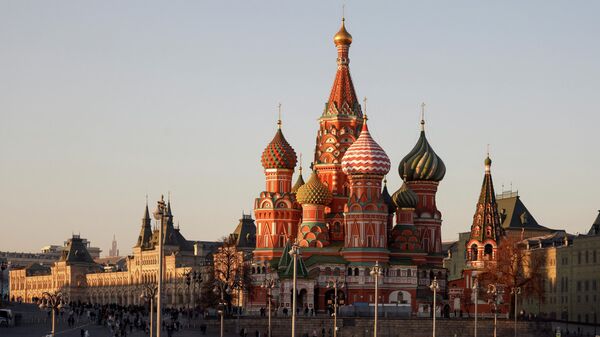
point(486, 230)
point(145, 238)
point(313, 196)
point(339, 125)
point(422, 170)
point(387, 199)
point(404, 235)
point(299, 181)
point(276, 211)
point(366, 212)
point(279, 160)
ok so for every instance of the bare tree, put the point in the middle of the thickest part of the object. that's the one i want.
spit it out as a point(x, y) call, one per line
point(232, 269)
point(515, 267)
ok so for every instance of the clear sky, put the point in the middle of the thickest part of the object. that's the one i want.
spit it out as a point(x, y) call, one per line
point(104, 102)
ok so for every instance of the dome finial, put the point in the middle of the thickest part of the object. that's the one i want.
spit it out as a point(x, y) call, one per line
point(423, 116)
point(488, 161)
point(300, 161)
point(279, 116)
point(342, 37)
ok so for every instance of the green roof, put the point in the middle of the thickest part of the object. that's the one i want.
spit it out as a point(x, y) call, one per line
point(324, 259)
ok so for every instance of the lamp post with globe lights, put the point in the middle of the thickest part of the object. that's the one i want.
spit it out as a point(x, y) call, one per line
point(149, 294)
point(193, 279)
point(335, 284)
point(376, 272)
point(3, 267)
point(516, 291)
point(434, 287)
point(476, 292)
point(221, 288)
point(493, 292)
point(295, 253)
point(269, 284)
point(54, 302)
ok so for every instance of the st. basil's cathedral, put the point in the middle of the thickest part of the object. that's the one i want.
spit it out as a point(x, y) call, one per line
point(343, 217)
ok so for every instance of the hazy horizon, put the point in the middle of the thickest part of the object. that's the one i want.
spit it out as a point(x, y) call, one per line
point(104, 102)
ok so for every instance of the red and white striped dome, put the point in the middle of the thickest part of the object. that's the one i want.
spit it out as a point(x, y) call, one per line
point(365, 156)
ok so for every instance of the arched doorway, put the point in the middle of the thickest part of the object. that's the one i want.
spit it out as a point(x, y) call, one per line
point(330, 296)
point(302, 299)
point(400, 297)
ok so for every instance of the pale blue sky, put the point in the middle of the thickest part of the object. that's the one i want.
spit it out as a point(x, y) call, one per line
point(102, 102)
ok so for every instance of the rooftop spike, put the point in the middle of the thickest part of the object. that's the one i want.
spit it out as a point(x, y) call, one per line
point(423, 116)
point(279, 118)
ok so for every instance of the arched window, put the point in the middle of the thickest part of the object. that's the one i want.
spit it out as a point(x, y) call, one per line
point(355, 271)
point(349, 271)
point(474, 252)
point(488, 251)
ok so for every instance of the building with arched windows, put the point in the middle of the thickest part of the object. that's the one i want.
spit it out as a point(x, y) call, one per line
point(77, 275)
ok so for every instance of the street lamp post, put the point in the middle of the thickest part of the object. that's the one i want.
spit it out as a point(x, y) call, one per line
point(294, 252)
point(221, 288)
point(54, 302)
point(493, 291)
point(148, 294)
point(269, 284)
point(193, 280)
point(376, 272)
point(516, 291)
point(434, 287)
point(3, 267)
point(160, 214)
point(238, 286)
point(476, 291)
point(335, 284)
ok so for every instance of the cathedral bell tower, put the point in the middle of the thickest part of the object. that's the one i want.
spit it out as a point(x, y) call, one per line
point(486, 230)
point(276, 210)
point(339, 126)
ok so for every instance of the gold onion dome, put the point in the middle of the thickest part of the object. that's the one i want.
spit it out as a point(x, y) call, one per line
point(313, 192)
point(405, 197)
point(279, 154)
point(488, 161)
point(422, 163)
point(342, 37)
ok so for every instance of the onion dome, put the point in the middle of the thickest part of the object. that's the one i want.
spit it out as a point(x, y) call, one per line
point(365, 156)
point(313, 192)
point(405, 197)
point(299, 182)
point(422, 163)
point(387, 199)
point(279, 154)
point(342, 37)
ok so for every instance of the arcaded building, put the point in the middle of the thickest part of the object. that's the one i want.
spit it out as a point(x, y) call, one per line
point(80, 278)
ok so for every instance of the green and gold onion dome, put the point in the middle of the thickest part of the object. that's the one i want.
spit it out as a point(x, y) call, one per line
point(279, 154)
point(422, 163)
point(314, 192)
point(405, 197)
